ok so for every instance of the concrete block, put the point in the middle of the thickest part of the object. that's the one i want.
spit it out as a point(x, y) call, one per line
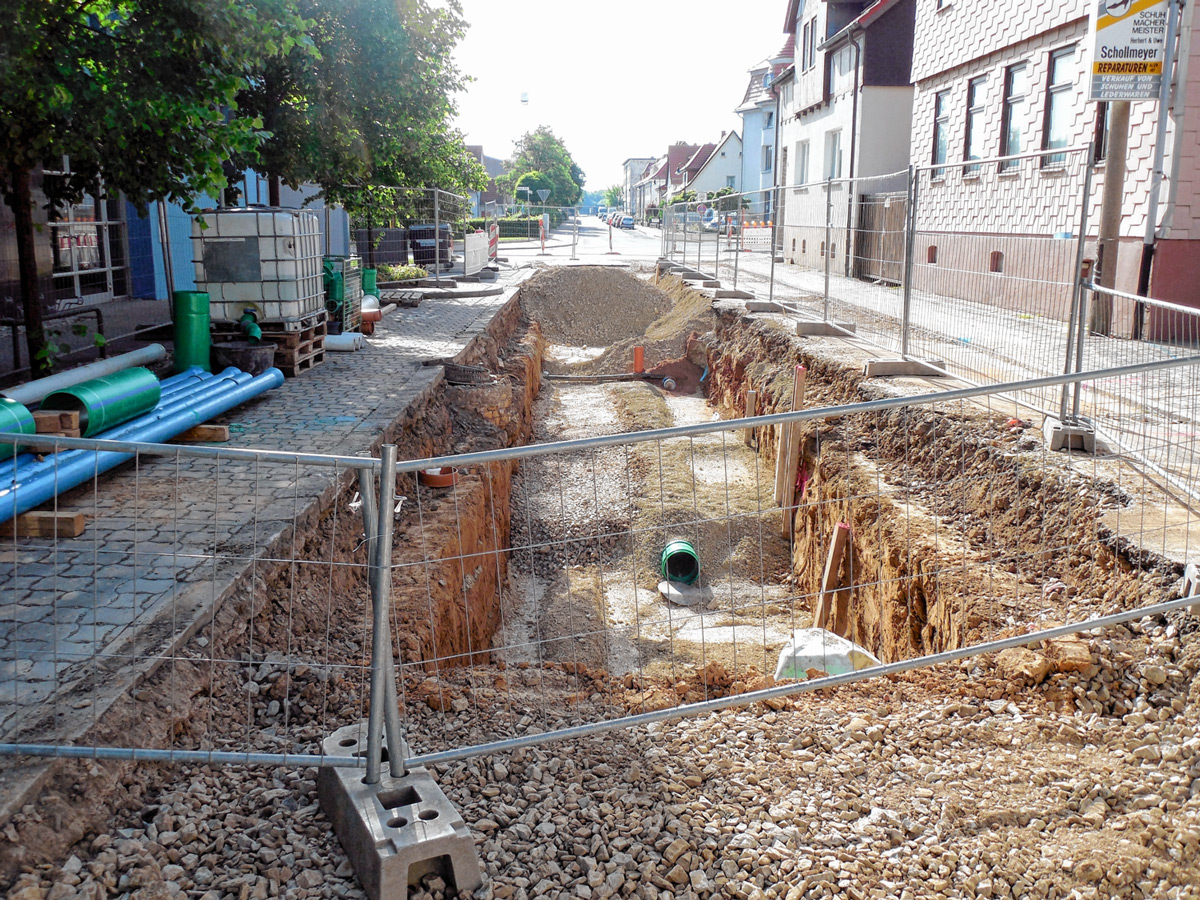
point(825, 329)
point(710, 284)
point(884, 368)
point(1191, 586)
point(1069, 435)
point(397, 831)
point(764, 306)
point(730, 294)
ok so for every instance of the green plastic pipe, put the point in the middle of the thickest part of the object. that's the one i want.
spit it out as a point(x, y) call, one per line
point(680, 562)
point(14, 418)
point(368, 282)
point(192, 341)
point(249, 324)
point(104, 403)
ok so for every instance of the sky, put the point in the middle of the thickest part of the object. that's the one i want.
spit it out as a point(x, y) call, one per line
point(613, 79)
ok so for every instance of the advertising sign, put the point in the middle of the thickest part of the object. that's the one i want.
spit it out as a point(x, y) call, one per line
point(1128, 40)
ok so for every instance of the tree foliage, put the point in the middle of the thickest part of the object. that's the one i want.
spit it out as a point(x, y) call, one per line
point(374, 107)
point(541, 151)
point(136, 93)
point(612, 195)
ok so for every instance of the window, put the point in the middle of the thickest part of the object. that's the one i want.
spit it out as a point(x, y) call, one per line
point(87, 246)
point(973, 138)
point(833, 154)
point(770, 120)
point(931, 254)
point(941, 130)
point(996, 262)
point(768, 157)
point(808, 45)
point(786, 95)
point(783, 161)
point(1012, 135)
point(1059, 81)
point(802, 162)
point(730, 181)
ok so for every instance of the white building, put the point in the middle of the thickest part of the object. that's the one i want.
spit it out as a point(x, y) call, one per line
point(721, 169)
point(634, 170)
point(759, 126)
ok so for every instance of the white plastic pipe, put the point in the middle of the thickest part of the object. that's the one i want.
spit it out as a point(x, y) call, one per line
point(345, 342)
point(33, 391)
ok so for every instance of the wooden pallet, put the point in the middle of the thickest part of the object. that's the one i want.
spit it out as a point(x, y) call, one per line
point(300, 364)
point(295, 351)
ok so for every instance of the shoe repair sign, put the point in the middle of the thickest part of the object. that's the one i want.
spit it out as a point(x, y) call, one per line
point(1128, 40)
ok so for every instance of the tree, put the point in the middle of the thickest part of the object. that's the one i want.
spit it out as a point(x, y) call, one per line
point(136, 95)
point(612, 195)
point(535, 181)
point(373, 109)
point(541, 151)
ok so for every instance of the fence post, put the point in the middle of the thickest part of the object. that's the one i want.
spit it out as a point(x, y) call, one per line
point(910, 239)
point(737, 250)
point(384, 713)
point(772, 211)
point(1075, 324)
point(437, 239)
point(828, 235)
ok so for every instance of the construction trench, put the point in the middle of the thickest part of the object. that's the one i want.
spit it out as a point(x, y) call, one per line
point(525, 599)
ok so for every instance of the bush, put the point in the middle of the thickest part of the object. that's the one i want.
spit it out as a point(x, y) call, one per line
point(517, 226)
point(401, 273)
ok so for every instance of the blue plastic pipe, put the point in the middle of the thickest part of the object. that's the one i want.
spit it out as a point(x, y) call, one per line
point(31, 489)
point(174, 390)
point(180, 400)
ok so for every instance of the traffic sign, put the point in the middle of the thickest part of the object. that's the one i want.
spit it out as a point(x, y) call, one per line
point(702, 208)
point(543, 194)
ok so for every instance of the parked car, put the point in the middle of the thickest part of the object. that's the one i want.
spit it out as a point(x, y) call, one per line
point(627, 222)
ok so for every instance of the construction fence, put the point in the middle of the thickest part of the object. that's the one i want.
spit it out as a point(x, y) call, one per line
point(513, 596)
point(978, 268)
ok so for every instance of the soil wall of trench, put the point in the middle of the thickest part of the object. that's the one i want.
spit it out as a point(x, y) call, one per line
point(1000, 529)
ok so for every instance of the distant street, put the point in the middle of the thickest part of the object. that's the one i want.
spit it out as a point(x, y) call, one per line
point(591, 245)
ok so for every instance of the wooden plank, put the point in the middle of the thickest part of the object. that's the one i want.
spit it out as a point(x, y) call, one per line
point(56, 421)
point(791, 457)
point(1191, 586)
point(44, 523)
point(831, 578)
point(203, 434)
point(784, 434)
point(751, 410)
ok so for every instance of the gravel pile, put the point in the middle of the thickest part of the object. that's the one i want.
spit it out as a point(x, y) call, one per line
point(591, 306)
point(967, 781)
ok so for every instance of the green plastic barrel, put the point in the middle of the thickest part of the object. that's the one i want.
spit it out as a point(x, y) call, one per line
point(106, 402)
point(368, 282)
point(680, 562)
point(14, 418)
point(192, 339)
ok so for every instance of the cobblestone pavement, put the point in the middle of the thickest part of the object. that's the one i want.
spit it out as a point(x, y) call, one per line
point(166, 536)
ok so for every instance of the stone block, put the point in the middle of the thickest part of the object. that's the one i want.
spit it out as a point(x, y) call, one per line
point(397, 831)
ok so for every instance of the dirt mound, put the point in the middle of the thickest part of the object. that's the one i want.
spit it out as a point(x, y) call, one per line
point(592, 306)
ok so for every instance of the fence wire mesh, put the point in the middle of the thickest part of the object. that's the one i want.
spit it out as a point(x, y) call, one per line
point(525, 596)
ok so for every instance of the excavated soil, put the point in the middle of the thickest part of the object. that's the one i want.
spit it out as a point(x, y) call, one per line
point(1069, 769)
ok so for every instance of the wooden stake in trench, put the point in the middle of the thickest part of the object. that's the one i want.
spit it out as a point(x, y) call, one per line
point(789, 456)
point(751, 410)
point(830, 582)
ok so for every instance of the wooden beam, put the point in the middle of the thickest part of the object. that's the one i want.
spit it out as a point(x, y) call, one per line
point(831, 578)
point(57, 422)
point(202, 434)
point(751, 410)
point(791, 458)
point(785, 433)
point(44, 523)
